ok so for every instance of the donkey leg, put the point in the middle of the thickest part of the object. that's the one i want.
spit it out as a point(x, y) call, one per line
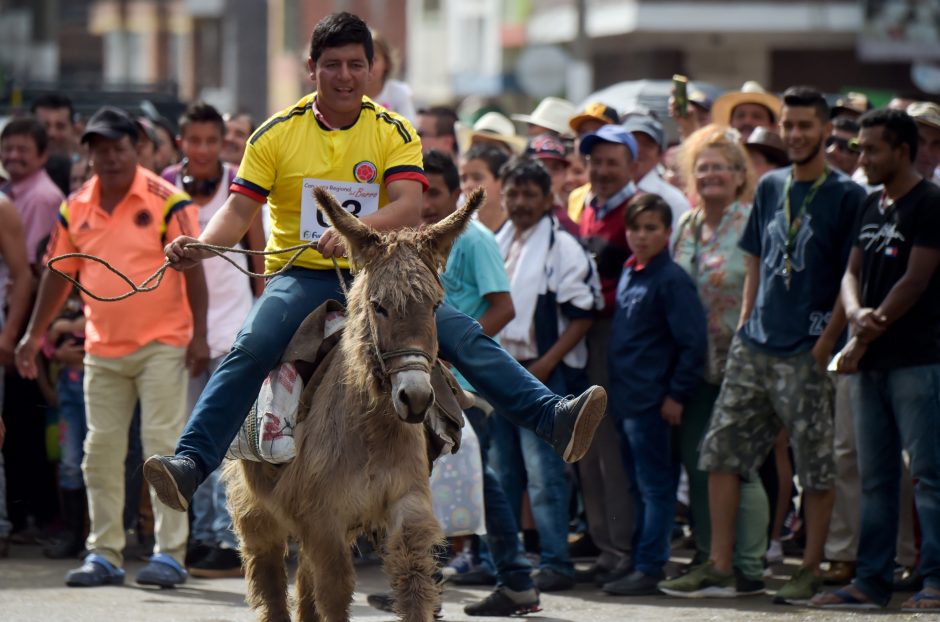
point(306, 588)
point(326, 563)
point(409, 560)
point(264, 546)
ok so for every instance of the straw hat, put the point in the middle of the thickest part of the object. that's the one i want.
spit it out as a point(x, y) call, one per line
point(552, 113)
point(927, 113)
point(751, 93)
point(493, 127)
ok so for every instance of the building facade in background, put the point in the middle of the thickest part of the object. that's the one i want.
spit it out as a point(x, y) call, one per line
point(249, 54)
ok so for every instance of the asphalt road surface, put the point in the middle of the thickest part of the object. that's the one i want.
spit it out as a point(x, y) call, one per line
point(32, 590)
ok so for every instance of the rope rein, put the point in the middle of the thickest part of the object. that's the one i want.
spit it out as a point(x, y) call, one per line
point(153, 281)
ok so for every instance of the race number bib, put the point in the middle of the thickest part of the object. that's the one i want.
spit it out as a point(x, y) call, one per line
point(358, 199)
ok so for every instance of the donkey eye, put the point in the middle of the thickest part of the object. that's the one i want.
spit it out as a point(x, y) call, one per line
point(379, 308)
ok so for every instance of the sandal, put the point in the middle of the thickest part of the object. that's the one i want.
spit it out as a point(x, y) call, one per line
point(162, 571)
point(923, 596)
point(95, 571)
point(843, 599)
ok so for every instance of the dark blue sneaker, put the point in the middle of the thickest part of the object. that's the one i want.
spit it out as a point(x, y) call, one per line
point(174, 479)
point(162, 571)
point(576, 420)
point(95, 571)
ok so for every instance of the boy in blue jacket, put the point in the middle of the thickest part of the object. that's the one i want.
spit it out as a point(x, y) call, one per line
point(656, 358)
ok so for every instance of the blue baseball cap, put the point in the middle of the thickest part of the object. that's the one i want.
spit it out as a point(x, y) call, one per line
point(609, 134)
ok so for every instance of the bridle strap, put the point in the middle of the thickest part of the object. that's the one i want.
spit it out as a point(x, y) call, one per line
point(383, 357)
point(423, 365)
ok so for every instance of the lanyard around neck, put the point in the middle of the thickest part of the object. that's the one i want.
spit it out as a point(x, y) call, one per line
point(795, 223)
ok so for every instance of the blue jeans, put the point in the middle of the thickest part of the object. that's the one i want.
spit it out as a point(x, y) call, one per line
point(287, 300)
point(523, 462)
point(72, 415)
point(504, 548)
point(212, 523)
point(133, 474)
point(652, 466)
point(894, 410)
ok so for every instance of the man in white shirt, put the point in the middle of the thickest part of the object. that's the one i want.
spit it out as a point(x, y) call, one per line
point(649, 136)
point(213, 550)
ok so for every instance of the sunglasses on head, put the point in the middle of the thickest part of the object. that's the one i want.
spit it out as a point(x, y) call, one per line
point(843, 144)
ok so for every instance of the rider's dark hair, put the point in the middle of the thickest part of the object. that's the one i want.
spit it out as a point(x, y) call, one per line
point(339, 29)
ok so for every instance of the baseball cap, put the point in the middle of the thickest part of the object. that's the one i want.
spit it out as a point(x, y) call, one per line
point(612, 133)
point(547, 147)
point(927, 113)
point(594, 111)
point(646, 125)
point(111, 123)
point(146, 130)
point(700, 99)
point(852, 103)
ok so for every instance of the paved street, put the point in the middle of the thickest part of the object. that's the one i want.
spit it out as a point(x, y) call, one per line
point(31, 590)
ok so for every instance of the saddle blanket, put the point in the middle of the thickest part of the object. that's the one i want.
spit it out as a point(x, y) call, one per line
point(267, 435)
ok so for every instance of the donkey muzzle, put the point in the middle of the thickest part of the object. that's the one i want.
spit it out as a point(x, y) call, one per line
point(412, 395)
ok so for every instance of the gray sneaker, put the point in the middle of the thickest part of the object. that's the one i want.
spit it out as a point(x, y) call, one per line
point(576, 420)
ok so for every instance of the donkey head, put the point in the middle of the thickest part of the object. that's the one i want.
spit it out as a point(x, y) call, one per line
point(391, 329)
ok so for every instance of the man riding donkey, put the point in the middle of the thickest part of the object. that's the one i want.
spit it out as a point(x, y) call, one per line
point(370, 159)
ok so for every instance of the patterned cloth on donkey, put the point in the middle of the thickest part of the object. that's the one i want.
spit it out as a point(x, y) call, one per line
point(289, 390)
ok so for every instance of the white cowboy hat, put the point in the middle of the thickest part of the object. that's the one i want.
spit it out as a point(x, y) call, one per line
point(751, 93)
point(493, 127)
point(552, 113)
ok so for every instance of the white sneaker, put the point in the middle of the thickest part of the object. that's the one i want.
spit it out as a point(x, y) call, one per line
point(774, 552)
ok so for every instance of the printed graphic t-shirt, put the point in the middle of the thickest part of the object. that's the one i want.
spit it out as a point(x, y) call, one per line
point(885, 240)
point(787, 321)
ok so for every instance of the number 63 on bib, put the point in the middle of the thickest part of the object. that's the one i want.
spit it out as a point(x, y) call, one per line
point(358, 199)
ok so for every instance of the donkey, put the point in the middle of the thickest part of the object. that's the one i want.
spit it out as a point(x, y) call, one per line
point(362, 461)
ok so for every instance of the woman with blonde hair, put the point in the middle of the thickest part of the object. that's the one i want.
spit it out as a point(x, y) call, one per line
point(720, 184)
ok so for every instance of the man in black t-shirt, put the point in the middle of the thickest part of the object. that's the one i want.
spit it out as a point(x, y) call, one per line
point(891, 293)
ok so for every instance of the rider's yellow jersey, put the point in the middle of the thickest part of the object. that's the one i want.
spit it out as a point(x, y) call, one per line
point(295, 151)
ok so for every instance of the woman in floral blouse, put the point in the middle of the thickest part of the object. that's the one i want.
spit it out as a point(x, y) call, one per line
point(720, 183)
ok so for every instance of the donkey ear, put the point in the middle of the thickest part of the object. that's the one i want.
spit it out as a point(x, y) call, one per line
point(360, 237)
point(439, 237)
